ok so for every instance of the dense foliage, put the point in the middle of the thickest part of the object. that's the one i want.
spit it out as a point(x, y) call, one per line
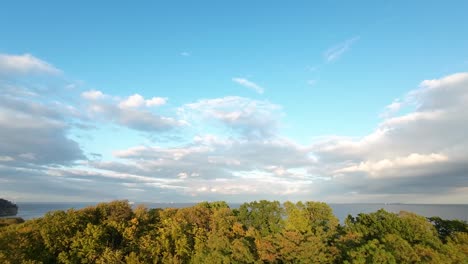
point(257, 232)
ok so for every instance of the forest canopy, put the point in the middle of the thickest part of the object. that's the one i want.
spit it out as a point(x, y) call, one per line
point(212, 232)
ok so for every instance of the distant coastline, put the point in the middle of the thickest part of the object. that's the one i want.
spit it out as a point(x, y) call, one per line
point(8, 208)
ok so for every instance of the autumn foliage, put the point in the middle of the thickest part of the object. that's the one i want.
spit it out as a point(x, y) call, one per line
point(256, 232)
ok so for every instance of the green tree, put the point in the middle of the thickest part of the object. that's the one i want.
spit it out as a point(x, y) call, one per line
point(23, 243)
point(265, 216)
point(406, 237)
point(309, 231)
point(445, 228)
point(88, 245)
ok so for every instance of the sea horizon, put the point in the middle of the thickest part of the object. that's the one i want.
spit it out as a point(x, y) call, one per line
point(229, 202)
point(30, 210)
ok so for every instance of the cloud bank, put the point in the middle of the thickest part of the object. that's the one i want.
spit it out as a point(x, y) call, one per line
point(231, 148)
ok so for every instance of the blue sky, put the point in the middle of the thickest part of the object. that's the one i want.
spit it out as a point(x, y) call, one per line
point(168, 100)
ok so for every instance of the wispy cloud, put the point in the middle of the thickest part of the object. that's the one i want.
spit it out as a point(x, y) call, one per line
point(185, 54)
point(335, 52)
point(392, 108)
point(249, 84)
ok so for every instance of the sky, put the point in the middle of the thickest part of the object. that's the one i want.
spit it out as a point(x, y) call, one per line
point(177, 101)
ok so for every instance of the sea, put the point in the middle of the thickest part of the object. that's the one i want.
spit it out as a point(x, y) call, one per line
point(445, 211)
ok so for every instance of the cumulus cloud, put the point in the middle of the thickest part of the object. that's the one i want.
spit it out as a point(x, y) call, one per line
point(136, 100)
point(252, 118)
point(39, 151)
point(424, 150)
point(127, 112)
point(249, 84)
point(92, 95)
point(335, 52)
point(24, 64)
point(132, 101)
point(155, 101)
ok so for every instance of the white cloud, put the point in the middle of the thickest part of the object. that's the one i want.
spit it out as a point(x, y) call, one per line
point(35, 131)
point(5, 158)
point(252, 118)
point(335, 52)
point(136, 100)
point(392, 108)
point(414, 154)
point(156, 101)
point(448, 81)
point(441, 94)
point(182, 175)
point(92, 95)
point(238, 188)
point(28, 156)
point(249, 84)
point(25, 64)
point(424, 151)
point(210, 165)
point(185, 54)
point(128, 112)
point(373, 168)
point(132, 101)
